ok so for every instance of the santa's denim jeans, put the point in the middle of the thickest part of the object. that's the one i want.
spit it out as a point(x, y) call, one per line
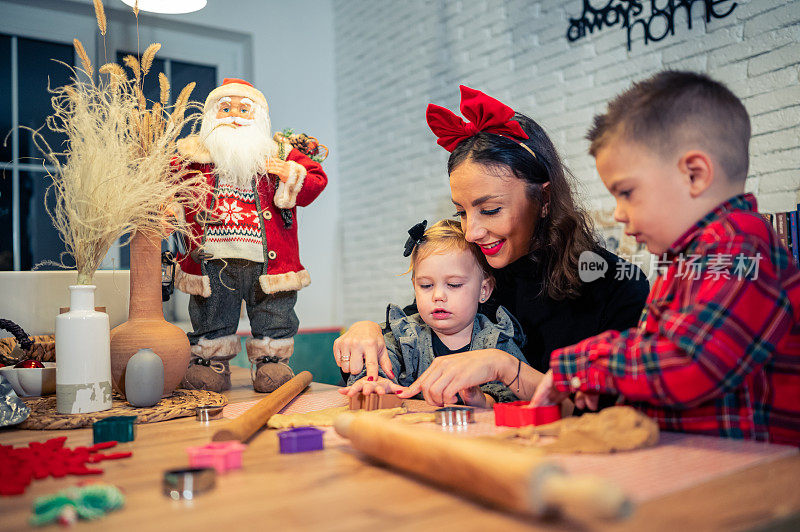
point(271, 315)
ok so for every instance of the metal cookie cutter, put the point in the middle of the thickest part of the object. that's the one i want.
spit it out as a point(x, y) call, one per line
point(455, 416)
point(208, 413)
point(188, 483)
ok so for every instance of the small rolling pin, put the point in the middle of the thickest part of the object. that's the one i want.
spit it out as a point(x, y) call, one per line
point(519, 480)
point(257, 416)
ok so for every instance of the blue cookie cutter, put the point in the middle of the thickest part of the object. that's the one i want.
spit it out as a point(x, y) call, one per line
point(300, 440)
point(115, 428)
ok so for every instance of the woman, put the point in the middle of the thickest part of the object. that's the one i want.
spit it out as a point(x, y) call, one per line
point(511, 193)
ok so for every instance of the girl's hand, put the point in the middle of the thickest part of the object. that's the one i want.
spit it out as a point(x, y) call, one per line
point(474, 396)
point(368, 385)
point(362, 346)
point(450, 374)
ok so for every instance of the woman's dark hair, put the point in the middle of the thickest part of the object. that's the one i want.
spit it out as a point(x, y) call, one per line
point(566, 231)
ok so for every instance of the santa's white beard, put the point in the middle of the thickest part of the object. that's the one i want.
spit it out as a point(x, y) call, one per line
point(238, 153)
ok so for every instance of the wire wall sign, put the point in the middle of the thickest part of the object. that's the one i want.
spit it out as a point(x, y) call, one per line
point(653, 20)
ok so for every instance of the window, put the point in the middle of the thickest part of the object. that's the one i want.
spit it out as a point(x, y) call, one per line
point(33, 33)
point(27, 66)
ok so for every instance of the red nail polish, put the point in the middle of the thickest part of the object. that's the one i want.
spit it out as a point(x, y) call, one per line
point(398, 392)
point(370, 378)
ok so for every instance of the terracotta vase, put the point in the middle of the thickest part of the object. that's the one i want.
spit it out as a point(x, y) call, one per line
point(146, 327)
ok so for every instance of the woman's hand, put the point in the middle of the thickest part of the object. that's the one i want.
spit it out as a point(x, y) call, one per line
point(451, 374)
point(368, 385)
point(362, 346)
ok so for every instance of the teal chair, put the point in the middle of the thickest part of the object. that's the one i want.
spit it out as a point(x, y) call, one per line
point(313, 351)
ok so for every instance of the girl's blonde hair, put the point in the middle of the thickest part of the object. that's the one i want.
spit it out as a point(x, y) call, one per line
point(445, 236)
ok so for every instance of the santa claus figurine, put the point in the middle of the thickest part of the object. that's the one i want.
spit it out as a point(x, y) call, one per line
point(245, 245)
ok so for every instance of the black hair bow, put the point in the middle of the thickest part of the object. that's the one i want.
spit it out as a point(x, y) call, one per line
point(415, 237)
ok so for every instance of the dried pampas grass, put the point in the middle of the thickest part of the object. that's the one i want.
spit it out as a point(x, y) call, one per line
point(117, 174)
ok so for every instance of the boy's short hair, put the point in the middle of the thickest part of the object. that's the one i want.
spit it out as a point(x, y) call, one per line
point(673, 107)
point(445, 236)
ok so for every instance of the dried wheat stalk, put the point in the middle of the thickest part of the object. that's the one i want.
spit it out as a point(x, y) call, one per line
point(100, 13)
point(133, 63)
point(181, 102)
point(163, 84)
point(148, 56)
point(87, 64)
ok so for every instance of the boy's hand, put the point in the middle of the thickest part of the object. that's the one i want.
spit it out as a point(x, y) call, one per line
point(368, 385)
point(545, 394)
point(587, 400)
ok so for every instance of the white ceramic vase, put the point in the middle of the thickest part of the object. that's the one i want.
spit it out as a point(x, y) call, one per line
point(83, 355)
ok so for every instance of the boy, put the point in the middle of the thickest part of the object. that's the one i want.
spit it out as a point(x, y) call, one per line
point(717, 350)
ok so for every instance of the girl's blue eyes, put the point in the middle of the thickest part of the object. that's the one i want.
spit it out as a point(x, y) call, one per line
point(624, 194)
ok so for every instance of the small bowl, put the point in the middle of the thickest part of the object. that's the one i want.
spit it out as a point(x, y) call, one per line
point(31, 382)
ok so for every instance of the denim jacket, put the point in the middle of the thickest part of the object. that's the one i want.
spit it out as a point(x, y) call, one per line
point(410, 346)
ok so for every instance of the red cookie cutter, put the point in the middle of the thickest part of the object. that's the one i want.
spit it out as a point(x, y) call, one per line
point(519, 414)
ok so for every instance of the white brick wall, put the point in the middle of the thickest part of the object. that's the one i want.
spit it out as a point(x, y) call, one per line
point(393, 58)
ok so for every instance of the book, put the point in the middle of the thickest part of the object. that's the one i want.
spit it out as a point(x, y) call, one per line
point(781, 227)
point(794, 235)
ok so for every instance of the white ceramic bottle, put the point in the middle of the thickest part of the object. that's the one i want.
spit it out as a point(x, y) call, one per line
point(83, 356)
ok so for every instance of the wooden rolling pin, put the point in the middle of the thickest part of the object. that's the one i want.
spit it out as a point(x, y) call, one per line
point(257, 416)
point(516, 479)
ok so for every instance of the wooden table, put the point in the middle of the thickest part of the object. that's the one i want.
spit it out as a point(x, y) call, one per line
point(338, 489)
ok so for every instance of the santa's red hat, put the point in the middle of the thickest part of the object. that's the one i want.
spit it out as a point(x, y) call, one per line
point(235, 87)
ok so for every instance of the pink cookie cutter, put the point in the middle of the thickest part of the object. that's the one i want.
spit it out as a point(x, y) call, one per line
point(518, 414)
point(222, 456)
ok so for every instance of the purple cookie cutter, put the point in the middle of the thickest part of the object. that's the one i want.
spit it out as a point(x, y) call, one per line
point(300, 440)
point(222, 456)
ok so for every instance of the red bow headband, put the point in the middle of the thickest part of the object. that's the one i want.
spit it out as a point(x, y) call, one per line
point(484, 114)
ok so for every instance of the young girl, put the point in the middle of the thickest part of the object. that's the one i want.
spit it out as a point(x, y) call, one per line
point(450, 278)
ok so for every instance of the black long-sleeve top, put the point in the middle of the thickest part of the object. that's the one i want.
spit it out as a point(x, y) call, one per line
point(603, 304)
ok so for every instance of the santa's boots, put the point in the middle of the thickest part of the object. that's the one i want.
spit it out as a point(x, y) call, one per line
point(269, 356)
point(209, 368)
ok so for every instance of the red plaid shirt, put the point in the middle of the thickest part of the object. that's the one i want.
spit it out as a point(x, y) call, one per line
point(717, 350)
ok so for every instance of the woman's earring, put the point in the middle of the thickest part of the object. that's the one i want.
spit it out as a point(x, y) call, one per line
point(544, 210)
